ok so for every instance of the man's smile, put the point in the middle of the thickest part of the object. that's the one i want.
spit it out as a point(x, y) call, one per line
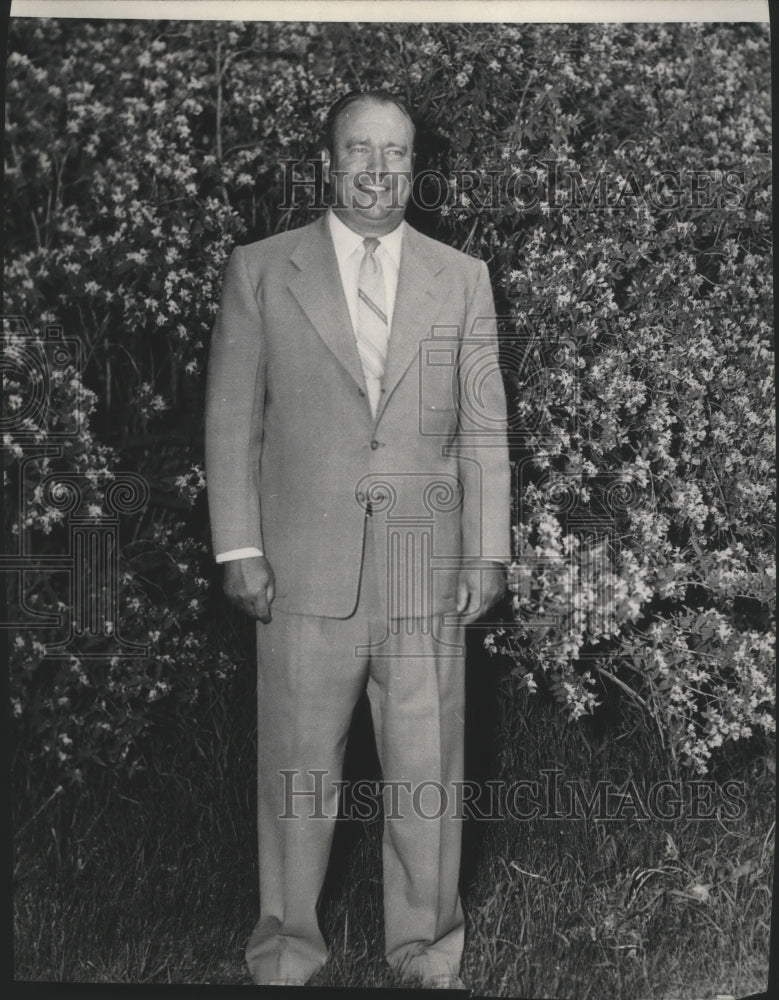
point(372, 186)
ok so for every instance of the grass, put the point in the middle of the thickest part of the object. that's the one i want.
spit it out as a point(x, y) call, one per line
point(616, 908)
point(154, 881)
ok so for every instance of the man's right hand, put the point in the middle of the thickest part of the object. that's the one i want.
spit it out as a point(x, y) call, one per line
point(251, 586)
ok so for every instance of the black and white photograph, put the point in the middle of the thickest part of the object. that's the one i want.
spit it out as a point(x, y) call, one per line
point(390, 497)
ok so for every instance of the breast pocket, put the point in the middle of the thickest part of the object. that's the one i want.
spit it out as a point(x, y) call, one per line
point(438, 420)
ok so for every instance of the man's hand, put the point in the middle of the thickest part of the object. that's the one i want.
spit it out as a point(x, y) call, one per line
point(251, 586)
point(479, 586)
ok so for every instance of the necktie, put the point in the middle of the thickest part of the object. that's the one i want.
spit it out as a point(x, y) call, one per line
point(372, 327)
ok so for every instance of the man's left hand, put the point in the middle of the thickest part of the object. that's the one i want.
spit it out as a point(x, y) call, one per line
point(479, 586)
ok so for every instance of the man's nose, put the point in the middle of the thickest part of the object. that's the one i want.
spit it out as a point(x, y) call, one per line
point(377, 163)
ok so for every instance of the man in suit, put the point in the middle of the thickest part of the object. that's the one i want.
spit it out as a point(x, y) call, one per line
point(358, 486)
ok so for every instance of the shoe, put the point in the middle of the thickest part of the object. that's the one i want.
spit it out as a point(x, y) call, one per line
point(446, 981)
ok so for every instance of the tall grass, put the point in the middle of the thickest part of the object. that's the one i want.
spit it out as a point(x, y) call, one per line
point(154, 880)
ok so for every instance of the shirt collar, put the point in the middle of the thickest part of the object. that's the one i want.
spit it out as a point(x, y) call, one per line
point(346, 241)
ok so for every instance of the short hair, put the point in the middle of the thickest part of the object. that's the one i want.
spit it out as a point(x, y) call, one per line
point(337, 109)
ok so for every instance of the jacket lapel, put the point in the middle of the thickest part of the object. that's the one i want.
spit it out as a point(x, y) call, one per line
point(419, 297)
point(319, 292)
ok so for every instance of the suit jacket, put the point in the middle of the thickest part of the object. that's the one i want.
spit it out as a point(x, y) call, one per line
point(294, 455)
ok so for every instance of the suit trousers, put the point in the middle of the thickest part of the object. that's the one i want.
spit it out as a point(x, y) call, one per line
point(311, 671)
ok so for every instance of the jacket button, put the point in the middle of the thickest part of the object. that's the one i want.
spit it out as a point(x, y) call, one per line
point(374, 444)
point(361, 392)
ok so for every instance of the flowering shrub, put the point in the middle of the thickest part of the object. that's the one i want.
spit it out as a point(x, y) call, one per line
point(615, 179)
point(657, 416)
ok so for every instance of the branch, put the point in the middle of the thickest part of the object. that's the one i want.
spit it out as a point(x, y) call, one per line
point(220, 71)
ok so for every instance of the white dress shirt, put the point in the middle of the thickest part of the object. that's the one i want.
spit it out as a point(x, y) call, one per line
point(349, 251)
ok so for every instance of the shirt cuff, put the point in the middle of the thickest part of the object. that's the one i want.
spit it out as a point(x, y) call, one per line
point(246, 553)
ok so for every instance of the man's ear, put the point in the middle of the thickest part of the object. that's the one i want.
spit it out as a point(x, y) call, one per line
point(326, 164)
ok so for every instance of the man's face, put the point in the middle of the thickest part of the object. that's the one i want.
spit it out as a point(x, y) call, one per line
point(370, 169)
